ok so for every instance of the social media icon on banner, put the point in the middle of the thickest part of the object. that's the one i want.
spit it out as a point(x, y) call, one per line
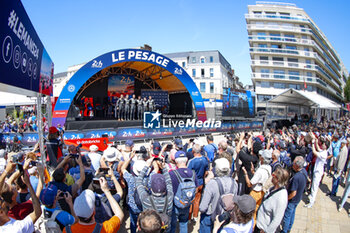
point(7, 47)
point(151, 120)
point(17, 56)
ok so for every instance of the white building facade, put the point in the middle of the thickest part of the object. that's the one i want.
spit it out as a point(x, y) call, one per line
point(288, 50)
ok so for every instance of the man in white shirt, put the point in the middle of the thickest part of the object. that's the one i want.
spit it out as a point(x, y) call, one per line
point(321, 154)
point(94, 157)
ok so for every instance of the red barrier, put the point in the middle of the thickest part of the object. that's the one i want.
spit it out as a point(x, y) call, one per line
point(101, 143)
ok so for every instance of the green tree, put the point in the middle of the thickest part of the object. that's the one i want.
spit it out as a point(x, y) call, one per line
point(347, 90)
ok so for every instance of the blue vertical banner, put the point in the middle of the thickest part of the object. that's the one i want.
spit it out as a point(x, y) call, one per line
point(250, 103)
point(21, 59)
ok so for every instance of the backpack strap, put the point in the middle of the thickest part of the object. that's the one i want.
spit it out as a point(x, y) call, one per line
point(232, 186)
point(221, 188)
point(54, 214)
point(165, 203)
point(97, 228)
point(68, 230)
point(178, 176)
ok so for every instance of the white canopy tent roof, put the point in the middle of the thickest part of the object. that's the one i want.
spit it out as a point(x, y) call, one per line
point(9, 99)
point(304, 98)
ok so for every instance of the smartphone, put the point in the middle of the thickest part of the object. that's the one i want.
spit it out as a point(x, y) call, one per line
point(62, 194)
point(192, 139)
point(75, 156)
point(104, 170)
point(224, 216)
point(158, 159)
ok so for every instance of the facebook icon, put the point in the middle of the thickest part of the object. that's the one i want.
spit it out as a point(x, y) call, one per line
point(151, 120)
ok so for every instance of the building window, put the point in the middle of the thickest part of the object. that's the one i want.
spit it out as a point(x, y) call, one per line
point(202, 73)
point(295, 86)
point(265, 84)
point(264, 60)
point(309, 74)
point(257, 12)
point(211, 72)
point(202, 60)
point(262, 35)
point(265, 73)
point(275, 36)
point(183, 64)
point(294, 75)
point(211, 87)
point(193, 72)
point(291, 47)
point(211, 59)
point(278, 73)
point(194, 60)
point(279, 85)
point(202, 87)
point(290, 37)
point(264, 98)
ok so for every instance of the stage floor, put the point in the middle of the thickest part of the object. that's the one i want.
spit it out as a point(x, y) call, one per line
point(101, 124)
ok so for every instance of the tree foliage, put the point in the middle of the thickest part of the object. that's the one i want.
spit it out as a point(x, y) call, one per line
point(347, 90)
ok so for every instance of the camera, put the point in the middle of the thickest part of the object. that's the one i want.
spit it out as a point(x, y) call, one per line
point(104, 170)
point(62, 194)
point(75, 156)
point(15, 158)
point(224, 216)
point(33, 163)
point(192, 139)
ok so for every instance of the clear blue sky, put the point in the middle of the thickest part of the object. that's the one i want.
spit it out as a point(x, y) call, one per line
point(76, 31)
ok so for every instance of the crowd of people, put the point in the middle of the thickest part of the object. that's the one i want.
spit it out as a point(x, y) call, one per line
point(247, 182)
point(19, 124)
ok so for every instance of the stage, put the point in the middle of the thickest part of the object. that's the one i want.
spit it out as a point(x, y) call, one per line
point(102, 124)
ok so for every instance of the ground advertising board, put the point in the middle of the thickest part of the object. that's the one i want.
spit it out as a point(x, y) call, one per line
point(24, 62)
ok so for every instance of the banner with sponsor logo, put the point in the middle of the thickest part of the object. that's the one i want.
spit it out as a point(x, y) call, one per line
point(120, 56)
point(123, 134)
point(24, 62)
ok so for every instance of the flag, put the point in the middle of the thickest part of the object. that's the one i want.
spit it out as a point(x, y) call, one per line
point(305, 86)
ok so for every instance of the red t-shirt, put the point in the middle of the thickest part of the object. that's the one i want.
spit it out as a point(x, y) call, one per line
point(20, 211)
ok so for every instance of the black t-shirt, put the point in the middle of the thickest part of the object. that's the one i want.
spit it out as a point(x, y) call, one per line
point(297, 183)
point(246, 159)
point(53, 148)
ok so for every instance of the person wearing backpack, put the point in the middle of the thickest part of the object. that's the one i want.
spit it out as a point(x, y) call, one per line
point(222, 184)
point(134, 203)
point(160, 198)
point(184, 183)
point(53, 219)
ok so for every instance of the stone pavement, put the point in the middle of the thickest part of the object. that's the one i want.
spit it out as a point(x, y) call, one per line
point(323, 217)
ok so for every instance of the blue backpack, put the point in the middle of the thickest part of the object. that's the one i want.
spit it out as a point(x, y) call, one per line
point(186, 191)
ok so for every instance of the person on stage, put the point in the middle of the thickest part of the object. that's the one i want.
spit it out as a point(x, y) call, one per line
point(150, 104)
point(139, 108)
point(132, 103)
point(126, 107)
point(120, 104)
point(145, 105)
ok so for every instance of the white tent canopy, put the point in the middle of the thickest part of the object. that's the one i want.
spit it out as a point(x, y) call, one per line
point(9, 99)
point(304, 98)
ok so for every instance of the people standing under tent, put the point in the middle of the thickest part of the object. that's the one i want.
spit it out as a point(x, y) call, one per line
point(150, 104)
point(139, 108)
point(120, 104)
point(132, 102)
point(145, 105)
point(126, 107)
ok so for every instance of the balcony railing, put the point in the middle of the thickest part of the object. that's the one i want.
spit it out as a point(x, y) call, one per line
point(283, 17)
point(283, 51)
point(275, 39)
point(279, 28)
point(298, 78)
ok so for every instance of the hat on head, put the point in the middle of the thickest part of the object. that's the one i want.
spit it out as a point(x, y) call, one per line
point(336, 136)
point(344, 141)
point(222, 164)
point(2, 153)
point(138, 166)
point(129, 143)
point(245, 203)
point(84, 204)
point(110, 154)
point(93, 148)
point(178, 143)
point(266, 155)
point(48, 195)
point(180, 154)
point(53, 130)
point(156, 147)
point(158, 184)
point(261, 138)
point(198, 141)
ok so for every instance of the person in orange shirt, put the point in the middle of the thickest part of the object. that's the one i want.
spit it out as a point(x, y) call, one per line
point(84, 207)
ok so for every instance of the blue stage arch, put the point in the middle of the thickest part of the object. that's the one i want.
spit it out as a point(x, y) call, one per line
point(126, 55)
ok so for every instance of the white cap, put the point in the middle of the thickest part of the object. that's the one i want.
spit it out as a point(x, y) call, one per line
point(84, 204)
point(138, 166)
point(222, 164)
point(111, 154)
point(93, 148)
point(198, 141)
